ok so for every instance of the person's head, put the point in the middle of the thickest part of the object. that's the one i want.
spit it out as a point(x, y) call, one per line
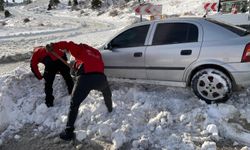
point(49, 47)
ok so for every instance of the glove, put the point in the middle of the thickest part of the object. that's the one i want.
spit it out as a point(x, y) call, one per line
point(73, 70)
point(49, 47)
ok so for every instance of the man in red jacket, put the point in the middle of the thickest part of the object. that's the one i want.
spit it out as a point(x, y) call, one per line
point(52, 66)
point(90, 76)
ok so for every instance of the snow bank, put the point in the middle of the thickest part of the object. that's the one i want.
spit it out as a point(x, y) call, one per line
point(145, 116)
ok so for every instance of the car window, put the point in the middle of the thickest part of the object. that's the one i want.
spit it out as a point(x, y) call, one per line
point(131, 38)
point(173, 33)
point(237, 30)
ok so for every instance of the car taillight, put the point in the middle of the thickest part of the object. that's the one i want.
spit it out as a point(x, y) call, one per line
point(246, 54)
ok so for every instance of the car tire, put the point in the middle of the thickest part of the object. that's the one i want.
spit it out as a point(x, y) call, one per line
point(211, 85)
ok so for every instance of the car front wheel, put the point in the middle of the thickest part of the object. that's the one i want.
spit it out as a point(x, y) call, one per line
point(211, 85)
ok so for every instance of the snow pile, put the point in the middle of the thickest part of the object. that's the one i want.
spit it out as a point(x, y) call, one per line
point(144, 116)
point(168, 118)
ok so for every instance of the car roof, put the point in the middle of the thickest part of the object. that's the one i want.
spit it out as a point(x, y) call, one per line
point(173, 19)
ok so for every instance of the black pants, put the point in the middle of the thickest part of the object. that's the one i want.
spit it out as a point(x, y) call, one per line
point(84, 84)
point(50, 72)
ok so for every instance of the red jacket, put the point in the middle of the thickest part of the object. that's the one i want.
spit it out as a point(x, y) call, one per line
point(85, 55)
point(39, 55)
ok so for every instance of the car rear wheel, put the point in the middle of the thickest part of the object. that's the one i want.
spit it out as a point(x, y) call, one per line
point(211, 85)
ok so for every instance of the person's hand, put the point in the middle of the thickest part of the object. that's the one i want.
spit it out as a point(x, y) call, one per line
point(49, 47)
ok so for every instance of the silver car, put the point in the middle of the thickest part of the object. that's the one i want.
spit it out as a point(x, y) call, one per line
point(211, 57)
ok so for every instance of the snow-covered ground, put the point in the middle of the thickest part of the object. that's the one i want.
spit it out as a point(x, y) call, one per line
point(144, 116)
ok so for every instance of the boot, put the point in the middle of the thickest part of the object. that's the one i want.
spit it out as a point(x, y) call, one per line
point(49, 101)
point(49, 104)
point(67, 134)
point(110, 109)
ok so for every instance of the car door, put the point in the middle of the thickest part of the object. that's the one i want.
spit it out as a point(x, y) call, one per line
point(174, 46)
point(124, 56)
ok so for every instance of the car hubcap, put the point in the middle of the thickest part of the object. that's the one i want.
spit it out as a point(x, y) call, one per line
point(212, 85)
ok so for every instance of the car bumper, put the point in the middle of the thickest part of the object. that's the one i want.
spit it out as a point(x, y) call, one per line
point(240, 73)
point(242, 79)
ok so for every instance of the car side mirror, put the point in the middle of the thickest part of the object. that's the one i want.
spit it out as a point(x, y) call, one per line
point(108, 46)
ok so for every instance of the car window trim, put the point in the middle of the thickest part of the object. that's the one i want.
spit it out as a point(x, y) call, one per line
point(146, 37)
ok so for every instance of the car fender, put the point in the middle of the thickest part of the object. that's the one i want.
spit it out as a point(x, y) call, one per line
point(204, 63)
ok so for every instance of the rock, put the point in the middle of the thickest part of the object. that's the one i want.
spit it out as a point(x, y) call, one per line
point(113, 13)
point(26, 20)
point(1, 142)
point(7, 14)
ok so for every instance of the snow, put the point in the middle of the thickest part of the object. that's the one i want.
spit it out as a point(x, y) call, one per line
point(208, 146)
point(147, 116)
point(17, 137)
point(81, 135)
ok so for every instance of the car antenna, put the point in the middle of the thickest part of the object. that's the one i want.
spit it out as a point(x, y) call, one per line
point(205, 15)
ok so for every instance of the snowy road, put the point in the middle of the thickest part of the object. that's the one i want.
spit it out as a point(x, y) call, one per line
point(17, 41)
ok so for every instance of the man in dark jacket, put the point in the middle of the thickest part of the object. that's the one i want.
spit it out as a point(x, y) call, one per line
point(90, 76)
point(52, 66)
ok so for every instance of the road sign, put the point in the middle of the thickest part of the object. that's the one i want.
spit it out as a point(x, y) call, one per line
point(210, 6)
point(148, 9)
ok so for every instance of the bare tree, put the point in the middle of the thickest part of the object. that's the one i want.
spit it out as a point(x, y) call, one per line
point(69, 3)
point(1, 5)
point(52, 4)
point(75, 2)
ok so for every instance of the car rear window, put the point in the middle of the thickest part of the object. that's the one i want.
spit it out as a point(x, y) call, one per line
point(237, 30)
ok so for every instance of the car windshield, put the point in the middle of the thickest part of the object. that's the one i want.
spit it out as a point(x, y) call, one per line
point(237, 30)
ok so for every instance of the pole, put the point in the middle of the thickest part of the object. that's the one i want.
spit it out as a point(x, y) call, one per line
point(140, 14)
point(60, 58)
point(219, 6)
point(248, 1)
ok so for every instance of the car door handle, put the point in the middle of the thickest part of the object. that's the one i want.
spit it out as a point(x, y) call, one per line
point(138, 54)
point(186, 52)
